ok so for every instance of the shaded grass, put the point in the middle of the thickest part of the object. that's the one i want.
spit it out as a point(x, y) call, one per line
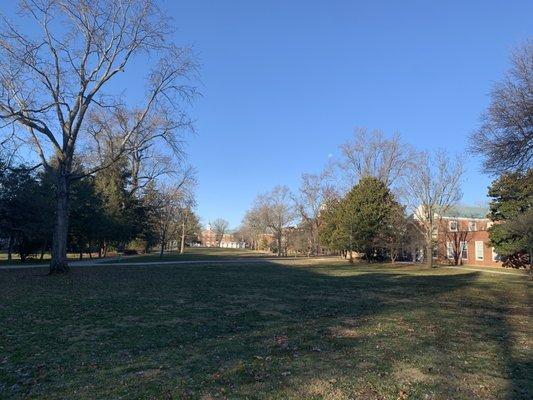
point(197, 253)
point(277, 330)
point(36, 259)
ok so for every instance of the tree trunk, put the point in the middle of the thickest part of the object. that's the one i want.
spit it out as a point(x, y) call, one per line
point(162, 249)
point(279, 245)
point(58, 263)
point(429, 251)
point(10, 249)
point(530, 267)
point(182, 245)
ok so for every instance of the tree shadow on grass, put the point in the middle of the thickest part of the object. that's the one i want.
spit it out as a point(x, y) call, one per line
point(258, 331)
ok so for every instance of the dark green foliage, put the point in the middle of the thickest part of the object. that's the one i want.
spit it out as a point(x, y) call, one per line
point(26, 214)
point(511, 210)
point(365, 221)
point(102, 212)
point(123, 213)
point(87, 216)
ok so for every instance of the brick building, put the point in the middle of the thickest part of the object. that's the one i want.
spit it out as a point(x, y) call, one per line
point(462, 234)
point(208, 239)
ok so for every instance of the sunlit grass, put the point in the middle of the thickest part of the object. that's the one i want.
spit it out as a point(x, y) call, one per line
point(296, 329)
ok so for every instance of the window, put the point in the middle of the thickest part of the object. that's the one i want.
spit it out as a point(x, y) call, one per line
point(471, 226)
point(464, 250)
point(435, 251)
point(479, 250)
point(453, 225)
point(449, 250)
point(495, 256)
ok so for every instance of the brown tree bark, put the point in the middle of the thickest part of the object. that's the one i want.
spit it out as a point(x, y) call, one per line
point(59, 263)
point(429, 250)
point(10, 249)
point(182, 245)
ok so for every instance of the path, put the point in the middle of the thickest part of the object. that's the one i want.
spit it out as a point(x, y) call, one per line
point(112, 262)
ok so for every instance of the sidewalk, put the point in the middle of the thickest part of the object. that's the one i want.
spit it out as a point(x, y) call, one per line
point(489, 270)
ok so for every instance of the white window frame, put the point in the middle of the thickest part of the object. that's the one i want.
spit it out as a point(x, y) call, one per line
point(495, 256)
point(456, 226)
point(477, 244)
point(470, 228)
point(464, 247)
point(435, 252)
point(449, 250)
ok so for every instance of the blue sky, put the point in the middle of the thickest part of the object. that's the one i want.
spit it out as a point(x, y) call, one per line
point(284, 83)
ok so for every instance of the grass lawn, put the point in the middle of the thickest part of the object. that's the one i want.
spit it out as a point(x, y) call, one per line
point(37, 259)
point(196, 253)
point(294, 329)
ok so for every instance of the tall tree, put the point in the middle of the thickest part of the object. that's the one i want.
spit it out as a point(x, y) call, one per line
point(367, 213)
point(457, 240)
point(25, 211)
point(394, 237)
point(220, 227)
point(371, 153)
point(505, 137)
point(88, 217)
point(189, 225)
point(52, 80)
point(511, 210)
point(433, 187)
point(314, 192)
point(275, 212)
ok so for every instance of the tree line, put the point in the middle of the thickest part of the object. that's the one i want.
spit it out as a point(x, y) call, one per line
point(383, 199)
point(106, 170)
point(105, 213)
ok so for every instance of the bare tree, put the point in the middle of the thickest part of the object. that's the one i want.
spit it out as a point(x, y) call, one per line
point(220, 227)
point(274, 211)
point(166, 205)
point(457, 239)
point(166, 214)
point(371, 153)
point(434, 186)
point(314, 193)
point(50, 82)
point(252, 228)
point(189, 221)
point(505, 137)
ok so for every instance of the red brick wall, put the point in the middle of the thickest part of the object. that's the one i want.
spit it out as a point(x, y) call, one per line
point(479, 234)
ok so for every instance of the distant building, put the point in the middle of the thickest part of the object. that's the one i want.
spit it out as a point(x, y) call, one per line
point(208, 239)
point(463, 232)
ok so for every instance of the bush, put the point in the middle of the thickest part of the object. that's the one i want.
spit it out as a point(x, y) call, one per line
point(130, 252)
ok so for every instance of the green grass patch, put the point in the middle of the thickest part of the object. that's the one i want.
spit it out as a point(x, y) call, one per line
point(290, 329)
point(196, 253)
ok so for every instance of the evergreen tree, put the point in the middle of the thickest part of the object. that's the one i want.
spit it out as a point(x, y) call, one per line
point(26, 212)
point(122, 209)
point(87, 217)
point(511, 210)
point(364, 221)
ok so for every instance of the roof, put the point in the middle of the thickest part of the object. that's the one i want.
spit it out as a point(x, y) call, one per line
point(466, 211)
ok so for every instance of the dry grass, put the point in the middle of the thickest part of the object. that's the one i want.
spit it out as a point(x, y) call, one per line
point(292, 329)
